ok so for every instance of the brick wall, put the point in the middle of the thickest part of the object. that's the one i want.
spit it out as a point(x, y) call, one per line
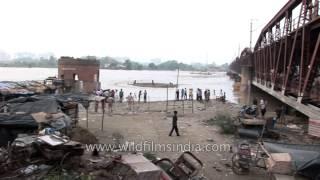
point(86, 70)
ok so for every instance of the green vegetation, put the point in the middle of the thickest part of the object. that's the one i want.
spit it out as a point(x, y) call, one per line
point(112, 63)
point(224, 121)
point(49, 62)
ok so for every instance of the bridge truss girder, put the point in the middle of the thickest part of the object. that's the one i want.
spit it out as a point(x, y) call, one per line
point(286, 55)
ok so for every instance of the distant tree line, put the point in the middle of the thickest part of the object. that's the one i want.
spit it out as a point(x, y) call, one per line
point(49, 62)
point(113, 63)
point(127, 64)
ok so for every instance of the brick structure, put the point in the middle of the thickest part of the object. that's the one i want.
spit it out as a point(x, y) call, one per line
point(79, 75)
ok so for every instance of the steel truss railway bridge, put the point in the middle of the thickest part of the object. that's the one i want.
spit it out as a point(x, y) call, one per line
point(285, 61)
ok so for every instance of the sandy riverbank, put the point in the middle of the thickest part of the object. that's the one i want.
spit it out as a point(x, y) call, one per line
point(150, 122)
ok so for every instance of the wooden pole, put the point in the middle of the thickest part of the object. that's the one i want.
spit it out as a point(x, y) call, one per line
point(87, 117)
point(148, 103)
point(192, 104)
point(102, 119)
point(167, 98)
point(182, 106)
point(178, 78)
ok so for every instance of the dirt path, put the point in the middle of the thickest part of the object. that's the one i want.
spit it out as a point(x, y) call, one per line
point(155, 125)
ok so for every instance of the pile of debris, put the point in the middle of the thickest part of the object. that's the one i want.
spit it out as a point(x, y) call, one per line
point(24, 88)
point(29, 114)
point(279, 160)
point(53, 156)
point(29, 154)
point(34, 133)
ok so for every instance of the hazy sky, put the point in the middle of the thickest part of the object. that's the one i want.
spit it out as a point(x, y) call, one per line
point(185, 30)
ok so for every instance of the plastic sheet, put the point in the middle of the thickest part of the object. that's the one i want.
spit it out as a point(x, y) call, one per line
point(306, 158)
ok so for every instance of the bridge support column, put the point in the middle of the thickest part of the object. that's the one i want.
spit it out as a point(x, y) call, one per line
point(246, 80)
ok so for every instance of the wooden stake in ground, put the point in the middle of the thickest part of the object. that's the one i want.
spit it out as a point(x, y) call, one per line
point(183, 107)
point(167, 98)
point(192, 104)
point(87, 116)
point(102, 119)
point(148, 103)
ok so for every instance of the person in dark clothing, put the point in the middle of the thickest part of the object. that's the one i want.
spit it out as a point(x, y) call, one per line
point(177, 95)
point(185, 94)
point(145, 96)
point(121, 95)
point(174, 124)
point(139, 96)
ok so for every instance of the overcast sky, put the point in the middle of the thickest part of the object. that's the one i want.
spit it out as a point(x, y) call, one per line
point(185, 30)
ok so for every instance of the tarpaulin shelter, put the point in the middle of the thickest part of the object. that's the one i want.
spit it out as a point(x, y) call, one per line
point(21, 113)
point(305, 158)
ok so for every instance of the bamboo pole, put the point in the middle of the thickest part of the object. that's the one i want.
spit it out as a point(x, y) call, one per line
point(167, 98)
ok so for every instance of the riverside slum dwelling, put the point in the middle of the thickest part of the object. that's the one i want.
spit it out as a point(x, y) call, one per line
point(39, 130)
point(35, 133)
point(35, 125)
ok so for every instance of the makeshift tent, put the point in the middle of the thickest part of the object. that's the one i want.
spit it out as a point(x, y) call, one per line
point(305, 158)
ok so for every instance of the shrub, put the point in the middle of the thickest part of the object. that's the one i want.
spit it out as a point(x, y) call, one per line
point(224, 121)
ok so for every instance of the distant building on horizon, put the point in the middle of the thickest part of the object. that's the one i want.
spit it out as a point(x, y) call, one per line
point(79, 75)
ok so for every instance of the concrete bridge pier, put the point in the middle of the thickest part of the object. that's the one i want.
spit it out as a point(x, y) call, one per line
point(246, 81)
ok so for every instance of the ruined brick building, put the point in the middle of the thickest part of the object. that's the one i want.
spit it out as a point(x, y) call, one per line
point(79, 75)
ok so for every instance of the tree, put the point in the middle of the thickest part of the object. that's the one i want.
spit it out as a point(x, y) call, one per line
point(128, 64)
point(152, 66)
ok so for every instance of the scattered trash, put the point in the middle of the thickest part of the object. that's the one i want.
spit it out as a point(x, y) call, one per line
point(218, 169)
point(293, 126)
point(53, 140)
point(187, 166)
point(227, 165)
point(210, 140)
point(29, 169)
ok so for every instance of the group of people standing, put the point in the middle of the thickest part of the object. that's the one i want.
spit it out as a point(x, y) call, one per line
point(111, 96)
point(131, 99)
point(184, 94)
point(200, 96)
point(119, 97)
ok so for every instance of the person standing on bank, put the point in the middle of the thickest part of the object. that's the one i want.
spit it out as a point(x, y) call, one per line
point(139, 96)
point(185, 94)
point(263, 108)
point(121, 95)
point(182, 94)
point(145, 96)
point(174, 124)
point(177, 95)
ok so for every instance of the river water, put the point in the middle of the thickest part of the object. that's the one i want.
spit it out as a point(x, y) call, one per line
point(120, 79)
